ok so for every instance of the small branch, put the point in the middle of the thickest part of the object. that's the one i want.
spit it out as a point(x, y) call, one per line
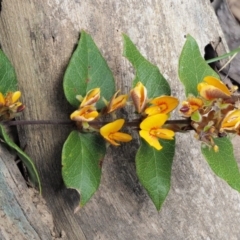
point(176, 125)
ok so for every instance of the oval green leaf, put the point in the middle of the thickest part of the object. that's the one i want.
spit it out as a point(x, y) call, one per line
point(192, 67)
point(86, 70)
point(32, 171)
point(146, 72)
point(154, 169)
point(82, 157)
point(8, 79)
point(223, 162)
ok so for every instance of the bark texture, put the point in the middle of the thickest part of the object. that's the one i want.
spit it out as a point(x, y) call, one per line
point(39, 37)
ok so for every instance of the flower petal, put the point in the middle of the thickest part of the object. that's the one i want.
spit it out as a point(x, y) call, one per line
point(150, 139)
point(91, 97)
point(2, 99)
point(111, 127)
point(15, 96)
point(165, 104)
point(231, 120)
point(154, 121)
point(163, 133)
point(218, 84)
point(117, 102)
point(121, 137)
point(139, 96)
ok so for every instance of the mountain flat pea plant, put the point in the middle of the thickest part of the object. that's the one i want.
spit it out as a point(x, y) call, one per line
point(211, 110)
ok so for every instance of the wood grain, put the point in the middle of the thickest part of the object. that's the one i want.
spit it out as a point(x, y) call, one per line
point(39, 38)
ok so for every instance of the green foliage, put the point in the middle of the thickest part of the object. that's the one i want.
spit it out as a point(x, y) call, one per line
point(8, 80)
point(82, 157)
point(146, 72)
point(223, 162)
point(192, 67)
point(86, 70)
point(154, 169)
point(33, 174)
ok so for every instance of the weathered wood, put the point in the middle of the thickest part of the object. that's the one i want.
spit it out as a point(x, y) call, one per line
point(39, 37)
point(19, 217)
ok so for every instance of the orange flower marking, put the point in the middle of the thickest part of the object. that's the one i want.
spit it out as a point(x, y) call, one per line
point(213, 88)
point(91, 97)
point(117, 102)
point(111, 132)
point(84, 114)
point(231, 121)
point(139, 97)
point(151, 130)
point(190, 106)
point(163, 104)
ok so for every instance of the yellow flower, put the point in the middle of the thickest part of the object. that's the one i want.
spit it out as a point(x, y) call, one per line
point(111, 134)
point(84, 114)
point(163, 104)
point(2, 100)
point(116, 102)
point(139, 97)
point(213, 88)
point(231, 121)
point(91, 97)
point(151, 130)
point(10, 106)
point(190, 106)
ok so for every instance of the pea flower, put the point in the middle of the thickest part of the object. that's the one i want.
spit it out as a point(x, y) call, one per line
point(231, 121)
point(91, 97)
point(213, 88)
point(84, 114)
point(111, 132)
point(151, 130)
point(139, 97)
point(117, 102)
point(162, 104)
point(10, 106)
point(190, 106)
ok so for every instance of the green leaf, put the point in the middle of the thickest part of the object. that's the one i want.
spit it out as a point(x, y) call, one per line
point(32, 171)
point(86, 70)
point(146, 72)
point(223, 162)
point(82, 157)
point(8, 80)
point(154, 169)
point(192, 67)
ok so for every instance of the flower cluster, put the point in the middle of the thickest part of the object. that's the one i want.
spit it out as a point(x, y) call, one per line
point(87, 112)
point(10, 106)
point(155, 113)
point(214, 113)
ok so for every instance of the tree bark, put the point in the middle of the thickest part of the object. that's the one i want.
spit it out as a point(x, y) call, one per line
point(39, 37)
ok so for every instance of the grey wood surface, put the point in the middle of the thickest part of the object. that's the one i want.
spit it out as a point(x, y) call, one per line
point(39, 38)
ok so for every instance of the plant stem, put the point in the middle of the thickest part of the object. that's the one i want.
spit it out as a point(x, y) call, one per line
point(176, 125)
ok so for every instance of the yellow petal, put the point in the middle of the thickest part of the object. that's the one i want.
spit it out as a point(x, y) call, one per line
point(111, 127)
point(91, 97)
point(231, 120)
point(154, 121)
point(150, 139)
point(121, 137)
point(213, 88)
point(2, 99)
point(117, 102)
point(218, 84)
point(166, 104)
point(163, 133)
point(139, 96)
point(87, 113)
point(15, 96)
